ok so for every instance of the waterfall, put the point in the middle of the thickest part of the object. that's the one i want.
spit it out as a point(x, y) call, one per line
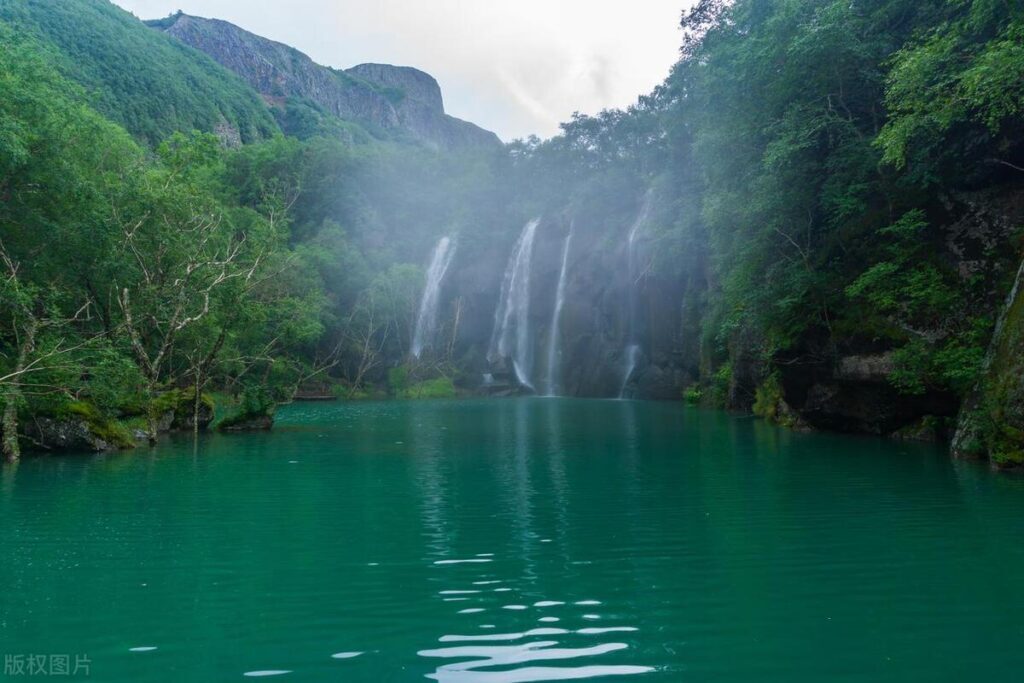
point(513, 312)
point(426, 320)
point(556, 316)
point(631, 355)
point(632, 350)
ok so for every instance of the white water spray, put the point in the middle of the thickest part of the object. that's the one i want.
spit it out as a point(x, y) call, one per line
point(554, 336)
point(632, 350)
point(426, 320)
point(632, 354)
point(513, 312)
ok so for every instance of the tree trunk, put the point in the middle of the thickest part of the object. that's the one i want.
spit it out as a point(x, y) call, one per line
point(195, 410)
point(152, 419)
point(12, 395)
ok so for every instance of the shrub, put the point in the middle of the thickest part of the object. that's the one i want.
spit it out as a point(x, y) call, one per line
point(440, 387)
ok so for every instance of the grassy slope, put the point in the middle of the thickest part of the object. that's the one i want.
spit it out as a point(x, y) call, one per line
point(144, 80)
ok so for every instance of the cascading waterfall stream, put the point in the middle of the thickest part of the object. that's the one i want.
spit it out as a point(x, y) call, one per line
point(631, 353)
point(554, 336)
point(513, 312)
point(426, 319)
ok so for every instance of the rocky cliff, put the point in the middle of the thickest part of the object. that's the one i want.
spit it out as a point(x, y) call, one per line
point(991, 423)
point(390, 99)
point(606, 309)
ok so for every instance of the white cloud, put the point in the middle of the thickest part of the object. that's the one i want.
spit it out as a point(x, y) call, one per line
point(516, 66)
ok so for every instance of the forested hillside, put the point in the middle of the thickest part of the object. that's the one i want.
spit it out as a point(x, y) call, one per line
point(387, 101)
point(817, 217)
point(836, 210)
point(147, 262)
point(148, 83)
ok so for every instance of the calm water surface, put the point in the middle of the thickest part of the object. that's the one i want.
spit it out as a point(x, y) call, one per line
point(518, 540)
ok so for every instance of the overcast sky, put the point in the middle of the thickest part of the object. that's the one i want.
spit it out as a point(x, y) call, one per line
point(513, 66)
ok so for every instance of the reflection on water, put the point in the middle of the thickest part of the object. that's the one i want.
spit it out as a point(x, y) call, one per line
point(519, 540)
point(520, 444)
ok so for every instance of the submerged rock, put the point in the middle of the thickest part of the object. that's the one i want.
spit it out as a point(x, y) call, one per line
point(247, 423)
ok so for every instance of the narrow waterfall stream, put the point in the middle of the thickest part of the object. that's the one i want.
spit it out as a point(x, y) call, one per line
point(554, 334)
point(511, 336)
point(631, 353)
point(426, 319)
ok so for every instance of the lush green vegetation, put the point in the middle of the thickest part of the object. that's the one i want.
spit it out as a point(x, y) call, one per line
point(822, 172)
point(135, 277)
point(138, 77)
point(830, 139)
point(127, 272)
point(811, 151)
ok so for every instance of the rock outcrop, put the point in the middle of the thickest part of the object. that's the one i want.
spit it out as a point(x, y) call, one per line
point(70, 434)
point(991, 424)
point(594, 324)
point(391, 99)
point(856, 395)
point(420, 108)
point(260, 422)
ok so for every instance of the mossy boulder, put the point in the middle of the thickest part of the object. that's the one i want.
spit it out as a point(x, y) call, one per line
point(247, 423)
point(991, 424)
point(175, 410)
point(770, 404)
point(77, 426)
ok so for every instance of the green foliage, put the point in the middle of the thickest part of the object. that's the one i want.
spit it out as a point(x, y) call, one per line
point(398, 379)
point(439, 387)
point(800, 162)
point(115, 385)
point(908, 283)
point(180, 402)
point(807, 150)
point(920, 297)
point(768, 401)
point(718, 387)
point(997, 414)
point(256, 400)
point(116, 433)
point(144, 80)
point(957, 92)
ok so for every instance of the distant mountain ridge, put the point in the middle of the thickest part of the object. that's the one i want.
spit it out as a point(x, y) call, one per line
point(397, 100)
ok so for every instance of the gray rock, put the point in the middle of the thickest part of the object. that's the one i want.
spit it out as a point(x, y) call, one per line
point(63, 435)
point(380, 96)
point(253, 423)
point(184, 420)
point(867, 368)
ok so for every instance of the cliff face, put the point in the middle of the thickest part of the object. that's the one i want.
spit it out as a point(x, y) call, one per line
point(609, 306)
point(848, 387)
point(379, 96)
point(420, 108)
point(991, 423)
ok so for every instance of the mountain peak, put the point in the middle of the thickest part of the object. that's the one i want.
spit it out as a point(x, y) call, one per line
point(399, 99)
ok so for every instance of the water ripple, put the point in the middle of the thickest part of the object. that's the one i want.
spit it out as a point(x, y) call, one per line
point(482, 657)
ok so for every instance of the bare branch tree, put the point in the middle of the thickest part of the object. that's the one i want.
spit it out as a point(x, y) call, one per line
point(28, 318)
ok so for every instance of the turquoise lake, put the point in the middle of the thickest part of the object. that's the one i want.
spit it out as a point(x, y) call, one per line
point(516, 540)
